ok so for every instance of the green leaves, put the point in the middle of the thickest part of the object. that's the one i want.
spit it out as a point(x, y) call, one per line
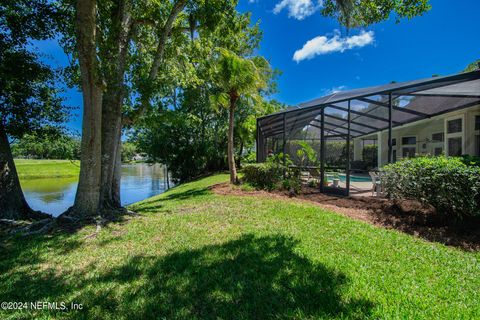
point(306, 152)
point(238, 77)
point(263, 175)
point(449, 185)
point(362, 13)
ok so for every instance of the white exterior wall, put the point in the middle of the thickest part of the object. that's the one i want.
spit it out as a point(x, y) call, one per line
point(423, 131)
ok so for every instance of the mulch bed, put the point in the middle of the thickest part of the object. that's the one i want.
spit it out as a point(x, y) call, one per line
point(407, 216)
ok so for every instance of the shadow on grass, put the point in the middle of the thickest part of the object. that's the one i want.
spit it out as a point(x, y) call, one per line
point(157, 204)
point(191, 193)
point(250, 278)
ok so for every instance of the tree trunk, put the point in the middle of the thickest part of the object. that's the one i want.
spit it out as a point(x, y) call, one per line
point(12, 202)
point(88, 192)
point(111, 136)
point(117, 177)
point(230, 153)
point(239, 157)
point(112, 106)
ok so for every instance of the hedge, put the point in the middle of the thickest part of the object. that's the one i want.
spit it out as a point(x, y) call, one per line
point(263, 175)
point(448, 184)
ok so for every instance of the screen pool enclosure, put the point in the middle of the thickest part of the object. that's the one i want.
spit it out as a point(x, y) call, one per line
point(329, 124)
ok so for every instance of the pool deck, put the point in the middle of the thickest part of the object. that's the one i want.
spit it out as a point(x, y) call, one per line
point(359, 189)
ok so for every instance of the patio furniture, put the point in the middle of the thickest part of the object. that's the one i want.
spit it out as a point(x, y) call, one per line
point(376, 183)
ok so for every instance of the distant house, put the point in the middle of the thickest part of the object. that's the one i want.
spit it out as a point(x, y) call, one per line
point(139, 157)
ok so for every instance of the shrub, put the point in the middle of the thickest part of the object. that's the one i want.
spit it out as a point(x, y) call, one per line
point(277, 159)
point(263, 175)
point(291, 185)
point(449, 185)
point(313, 183)
point(251, 157)
point(292, 182)
point(471, 160)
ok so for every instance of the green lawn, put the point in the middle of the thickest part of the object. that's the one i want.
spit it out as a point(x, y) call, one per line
point(193, 254)
point(32, 169)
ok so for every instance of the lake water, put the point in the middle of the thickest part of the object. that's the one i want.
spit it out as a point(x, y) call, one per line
point(55, 195)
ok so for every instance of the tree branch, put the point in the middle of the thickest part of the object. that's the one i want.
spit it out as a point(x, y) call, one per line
point(158, 58)
point(177, 8)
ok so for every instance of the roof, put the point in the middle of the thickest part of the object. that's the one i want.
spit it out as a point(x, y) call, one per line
point(411, 101)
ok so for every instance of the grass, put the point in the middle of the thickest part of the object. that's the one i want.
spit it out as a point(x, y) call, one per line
point(196, 255)
point(34, 169)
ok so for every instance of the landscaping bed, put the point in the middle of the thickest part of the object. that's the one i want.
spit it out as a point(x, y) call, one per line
point(407, 216)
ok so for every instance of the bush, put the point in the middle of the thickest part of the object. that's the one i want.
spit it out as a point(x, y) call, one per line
point(251, 157)
point(471, 160)
point(263, 175)
point(292, 182)
point(449, 185)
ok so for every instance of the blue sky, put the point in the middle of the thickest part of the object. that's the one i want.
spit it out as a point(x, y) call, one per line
point(443, 41)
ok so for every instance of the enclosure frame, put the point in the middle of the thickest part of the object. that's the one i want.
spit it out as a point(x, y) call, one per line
point(464, 86)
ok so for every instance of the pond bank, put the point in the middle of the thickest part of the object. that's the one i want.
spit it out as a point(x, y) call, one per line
point(38, 169)
point(50, 185)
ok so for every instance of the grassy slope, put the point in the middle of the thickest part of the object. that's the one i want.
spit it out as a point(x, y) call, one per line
point(31, 169)
point(193, 254)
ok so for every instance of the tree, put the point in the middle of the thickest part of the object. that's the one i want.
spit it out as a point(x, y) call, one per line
point(362, 13)
point(27, 92)
point(237, 77)
point(191, 136)
point(47, 143)
point(246, 121)
point(129, 150)
point(475, 65)
point(121, 49)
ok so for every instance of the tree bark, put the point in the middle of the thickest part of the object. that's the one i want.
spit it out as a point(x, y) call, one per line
point(88, 192)
point(117, 177)
point(13, 205)
point(112, 108)
point(239, 157)
point(230, 153)
point(111, 135)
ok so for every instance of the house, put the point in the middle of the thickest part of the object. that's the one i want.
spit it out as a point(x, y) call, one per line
point(453, 133)
point(434, 116)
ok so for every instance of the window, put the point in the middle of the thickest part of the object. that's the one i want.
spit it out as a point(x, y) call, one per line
point(394, 155)
point(455, 147)
point(438, 137)
point(454, 126)
point(438, 151)
point(477, 145)
point(477, 122)
point(409, 140)
point(394, 142)
point(408, 152)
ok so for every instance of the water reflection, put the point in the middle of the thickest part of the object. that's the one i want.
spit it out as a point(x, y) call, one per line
point(55, 195)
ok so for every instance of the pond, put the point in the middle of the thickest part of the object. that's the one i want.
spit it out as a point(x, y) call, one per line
point(55, 195)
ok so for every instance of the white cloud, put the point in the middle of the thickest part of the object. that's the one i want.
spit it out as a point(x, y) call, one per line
point(327, 92)
point(323, 45)
point(298, 9)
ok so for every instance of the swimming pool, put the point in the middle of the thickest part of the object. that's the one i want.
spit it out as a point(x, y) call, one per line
point(353, 178)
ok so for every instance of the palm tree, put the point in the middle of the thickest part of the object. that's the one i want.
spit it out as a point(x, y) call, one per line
point(237, 77)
